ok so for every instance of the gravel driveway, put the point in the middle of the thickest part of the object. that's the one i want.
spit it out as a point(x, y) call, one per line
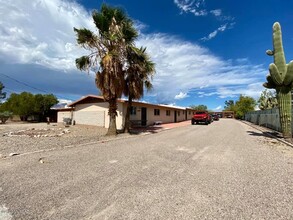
point(226, 170)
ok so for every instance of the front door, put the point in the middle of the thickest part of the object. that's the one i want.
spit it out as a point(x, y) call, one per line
point(175, 116)
point(143, 116)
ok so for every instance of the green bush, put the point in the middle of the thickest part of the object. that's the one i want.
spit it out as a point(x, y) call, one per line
point(4, 116)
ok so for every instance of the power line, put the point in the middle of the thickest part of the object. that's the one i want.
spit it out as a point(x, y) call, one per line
point(23, 83)
point(32, 87)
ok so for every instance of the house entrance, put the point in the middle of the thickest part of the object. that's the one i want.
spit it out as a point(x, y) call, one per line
point(175, 116)
point(143, 116)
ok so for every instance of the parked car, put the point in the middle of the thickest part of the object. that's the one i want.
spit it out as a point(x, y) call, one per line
point(201, 117)
point(215, 117)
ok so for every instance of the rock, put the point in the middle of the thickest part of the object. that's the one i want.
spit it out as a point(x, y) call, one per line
point(13, 154)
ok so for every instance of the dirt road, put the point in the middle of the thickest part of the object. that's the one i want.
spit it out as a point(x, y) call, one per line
point(226, 170)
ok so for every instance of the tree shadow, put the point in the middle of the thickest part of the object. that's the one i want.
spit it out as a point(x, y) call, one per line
point(149, 129)
point(271, 134)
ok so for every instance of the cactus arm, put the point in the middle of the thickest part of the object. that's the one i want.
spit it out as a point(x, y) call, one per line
point(270, 80)
point(289, 75)
point(279, 56)
point(275, 74)
point(269, 86)
point(270, 83)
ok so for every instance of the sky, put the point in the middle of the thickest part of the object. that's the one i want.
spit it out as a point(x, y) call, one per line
point(205, 51)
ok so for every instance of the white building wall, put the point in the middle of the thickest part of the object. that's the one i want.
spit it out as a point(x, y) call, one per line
point(63, 114)
point(90, 114)
point(180, 115)
point(163, 117)
point(190, 114)
point(97, 114)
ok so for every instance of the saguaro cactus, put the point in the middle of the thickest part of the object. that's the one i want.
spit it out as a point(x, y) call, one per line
point(280, 78)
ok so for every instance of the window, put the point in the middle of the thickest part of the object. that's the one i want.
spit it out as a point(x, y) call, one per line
point(178, 113)
point(156, 111)
point(168, 113)
point(189, 112)
point(133, 110)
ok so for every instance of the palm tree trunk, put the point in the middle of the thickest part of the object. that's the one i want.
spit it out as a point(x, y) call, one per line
point(112, 130)
point(127, 116)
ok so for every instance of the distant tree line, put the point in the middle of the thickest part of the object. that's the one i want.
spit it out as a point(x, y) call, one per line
point(199, 107)
point(240, 107)
point(27, 105)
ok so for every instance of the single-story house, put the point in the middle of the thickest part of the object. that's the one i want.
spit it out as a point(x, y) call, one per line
point(93, 110)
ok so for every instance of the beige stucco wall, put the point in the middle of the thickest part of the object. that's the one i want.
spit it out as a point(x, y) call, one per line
point(97, 114)
point(190, 114)
point(163, 117)
point(100, 107)
point(151, 117)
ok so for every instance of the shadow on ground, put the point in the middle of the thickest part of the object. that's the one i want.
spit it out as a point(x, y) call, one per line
point(265, 134)
point(150, 129)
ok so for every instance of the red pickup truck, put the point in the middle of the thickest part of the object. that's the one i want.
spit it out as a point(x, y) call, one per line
point(201, 116)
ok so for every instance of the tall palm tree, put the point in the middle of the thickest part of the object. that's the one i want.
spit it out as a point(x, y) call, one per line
point(138, 76)
point(108, 54)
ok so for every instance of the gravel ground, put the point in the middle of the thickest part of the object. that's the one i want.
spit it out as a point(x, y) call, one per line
point(27, 137)
point(226, 170)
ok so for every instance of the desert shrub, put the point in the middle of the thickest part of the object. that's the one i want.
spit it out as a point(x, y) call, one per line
point(4, 116)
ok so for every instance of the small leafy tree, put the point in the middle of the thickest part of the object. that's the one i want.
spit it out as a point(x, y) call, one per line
point(27, 104)
point(243, 105)
point(230, 105)
point(42, 105)
point(2, 94)
point(21, 104)
point(4, 116)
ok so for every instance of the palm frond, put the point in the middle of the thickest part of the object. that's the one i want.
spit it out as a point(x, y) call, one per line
point(85, 37)
point(83, 63)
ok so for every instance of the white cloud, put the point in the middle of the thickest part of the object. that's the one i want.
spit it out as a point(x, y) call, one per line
point(49, 41)
point(64, 101)
point(181, 95)
point(184, 66)
point(41, 32)
point(191, 6)
point(198, 8)
point(140, 26)
point(222, 28)
point(216, 12)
